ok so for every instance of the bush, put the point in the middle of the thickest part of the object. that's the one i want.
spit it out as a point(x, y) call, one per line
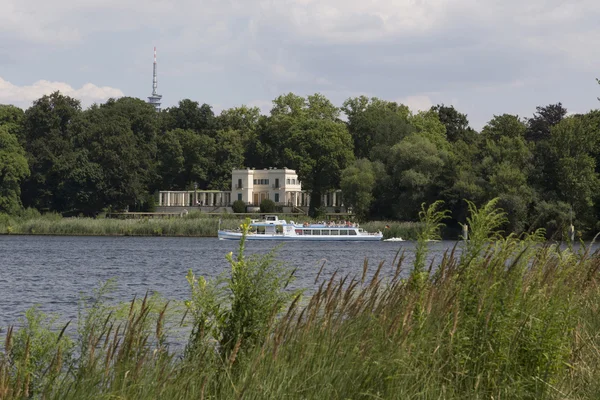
point(267, 206)
point(239, 206)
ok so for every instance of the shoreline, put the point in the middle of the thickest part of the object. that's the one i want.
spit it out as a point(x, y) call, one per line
point(193, 225)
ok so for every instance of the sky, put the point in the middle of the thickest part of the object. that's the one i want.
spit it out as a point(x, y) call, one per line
point(484, 57)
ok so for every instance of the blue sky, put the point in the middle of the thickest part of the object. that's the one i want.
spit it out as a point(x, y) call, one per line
point(485, 57)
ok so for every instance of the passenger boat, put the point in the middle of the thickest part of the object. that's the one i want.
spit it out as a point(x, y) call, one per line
point(273, 228)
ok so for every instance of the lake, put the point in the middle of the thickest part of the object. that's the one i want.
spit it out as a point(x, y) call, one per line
point(54, 272)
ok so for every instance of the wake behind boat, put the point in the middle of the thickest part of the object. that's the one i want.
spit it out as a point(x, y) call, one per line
point(273, 228)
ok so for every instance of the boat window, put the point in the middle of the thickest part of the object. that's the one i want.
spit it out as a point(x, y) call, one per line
point(298, 231)
point(343, 232)
point(335, 232)
point(316, 232)
point(279, 228)
point(306, 232)
point(260, 230)
point(325, 232)
point(352, 232)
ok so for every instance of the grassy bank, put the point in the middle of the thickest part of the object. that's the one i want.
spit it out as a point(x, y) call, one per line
point(508, 318)
point(56, 225)
point(193, 224)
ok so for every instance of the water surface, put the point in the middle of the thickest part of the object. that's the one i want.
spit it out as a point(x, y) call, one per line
point(55, 271)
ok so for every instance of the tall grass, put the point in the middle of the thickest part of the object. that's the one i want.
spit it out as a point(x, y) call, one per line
point(193, 224)
point(53, 224)
point(394, 229)
point(506, 318)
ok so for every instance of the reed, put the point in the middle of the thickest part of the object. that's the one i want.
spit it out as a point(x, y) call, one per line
point(517, 319)
point(394, 229)
point(192, 225)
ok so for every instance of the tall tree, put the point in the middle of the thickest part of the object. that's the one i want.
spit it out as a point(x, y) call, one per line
point(374, 122)
point(319, 149)
point(48, 142)
point(190, 115)
point(506, 163)
point(457, 124)
point(538, 127)
point(11, 118)
point(13, 169)
point(357, 184)
point(119, 141)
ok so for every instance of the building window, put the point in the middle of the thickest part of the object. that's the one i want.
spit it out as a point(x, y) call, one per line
point(288, 181)
point(277, 182)
point(239, 183)
point(255, 181)
point(293, 181)
point(239, 196)
point(276, 197)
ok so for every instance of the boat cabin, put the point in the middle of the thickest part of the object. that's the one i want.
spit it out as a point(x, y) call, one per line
point(326, 231)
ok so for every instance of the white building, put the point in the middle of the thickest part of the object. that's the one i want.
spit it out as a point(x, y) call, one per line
point(251, 186)
point(280, 185)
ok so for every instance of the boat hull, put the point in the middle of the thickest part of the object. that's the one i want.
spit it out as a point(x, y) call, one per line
point(225, 235)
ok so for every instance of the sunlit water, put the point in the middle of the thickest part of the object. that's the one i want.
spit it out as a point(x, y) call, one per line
point(54, 272)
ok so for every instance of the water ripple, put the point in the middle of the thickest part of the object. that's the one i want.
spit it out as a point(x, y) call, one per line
point(55, 271)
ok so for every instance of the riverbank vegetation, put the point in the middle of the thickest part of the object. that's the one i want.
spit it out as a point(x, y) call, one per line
point(194, 224)
point(58, 157)
point(497, 317)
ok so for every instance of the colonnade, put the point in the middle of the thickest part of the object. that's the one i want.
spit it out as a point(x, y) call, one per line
point(194, 198)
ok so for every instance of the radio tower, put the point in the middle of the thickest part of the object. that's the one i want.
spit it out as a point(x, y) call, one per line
point(155, 98)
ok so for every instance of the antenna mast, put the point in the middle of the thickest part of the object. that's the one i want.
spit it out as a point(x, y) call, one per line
point(155, 98)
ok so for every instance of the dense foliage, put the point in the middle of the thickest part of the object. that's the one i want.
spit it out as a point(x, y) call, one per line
point(58, 157)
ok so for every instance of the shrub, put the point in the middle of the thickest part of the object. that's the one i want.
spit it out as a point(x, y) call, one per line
point(267, 206)
point(239, 206)
point(237, 310)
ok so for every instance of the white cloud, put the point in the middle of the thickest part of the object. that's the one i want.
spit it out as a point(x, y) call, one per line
point(23, 96)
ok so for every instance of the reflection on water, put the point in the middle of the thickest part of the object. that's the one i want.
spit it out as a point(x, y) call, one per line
point(55, 271)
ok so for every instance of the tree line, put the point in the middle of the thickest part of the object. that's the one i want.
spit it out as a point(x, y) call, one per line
point(57, 156)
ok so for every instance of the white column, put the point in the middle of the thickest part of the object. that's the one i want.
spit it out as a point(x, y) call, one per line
point(334, 199)
point(168, 199)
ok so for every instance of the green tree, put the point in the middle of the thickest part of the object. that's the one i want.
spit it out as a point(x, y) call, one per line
point(199, 152)
point(538, 127)
point(319, 149)
point(416, 165)
point(574, 144)
point(505, 168)
point(118, 139)
point(170, 160)
point(357, 184)
point(375, 125)
point(190, 115)
point(13, 169)
point(48, 141)
point(457, 124)
point(11, 118)
point(229, 155)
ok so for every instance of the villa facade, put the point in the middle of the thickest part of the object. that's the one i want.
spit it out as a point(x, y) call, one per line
point(252, 186)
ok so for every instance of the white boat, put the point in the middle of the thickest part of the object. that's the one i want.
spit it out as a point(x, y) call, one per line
point(273, 228)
